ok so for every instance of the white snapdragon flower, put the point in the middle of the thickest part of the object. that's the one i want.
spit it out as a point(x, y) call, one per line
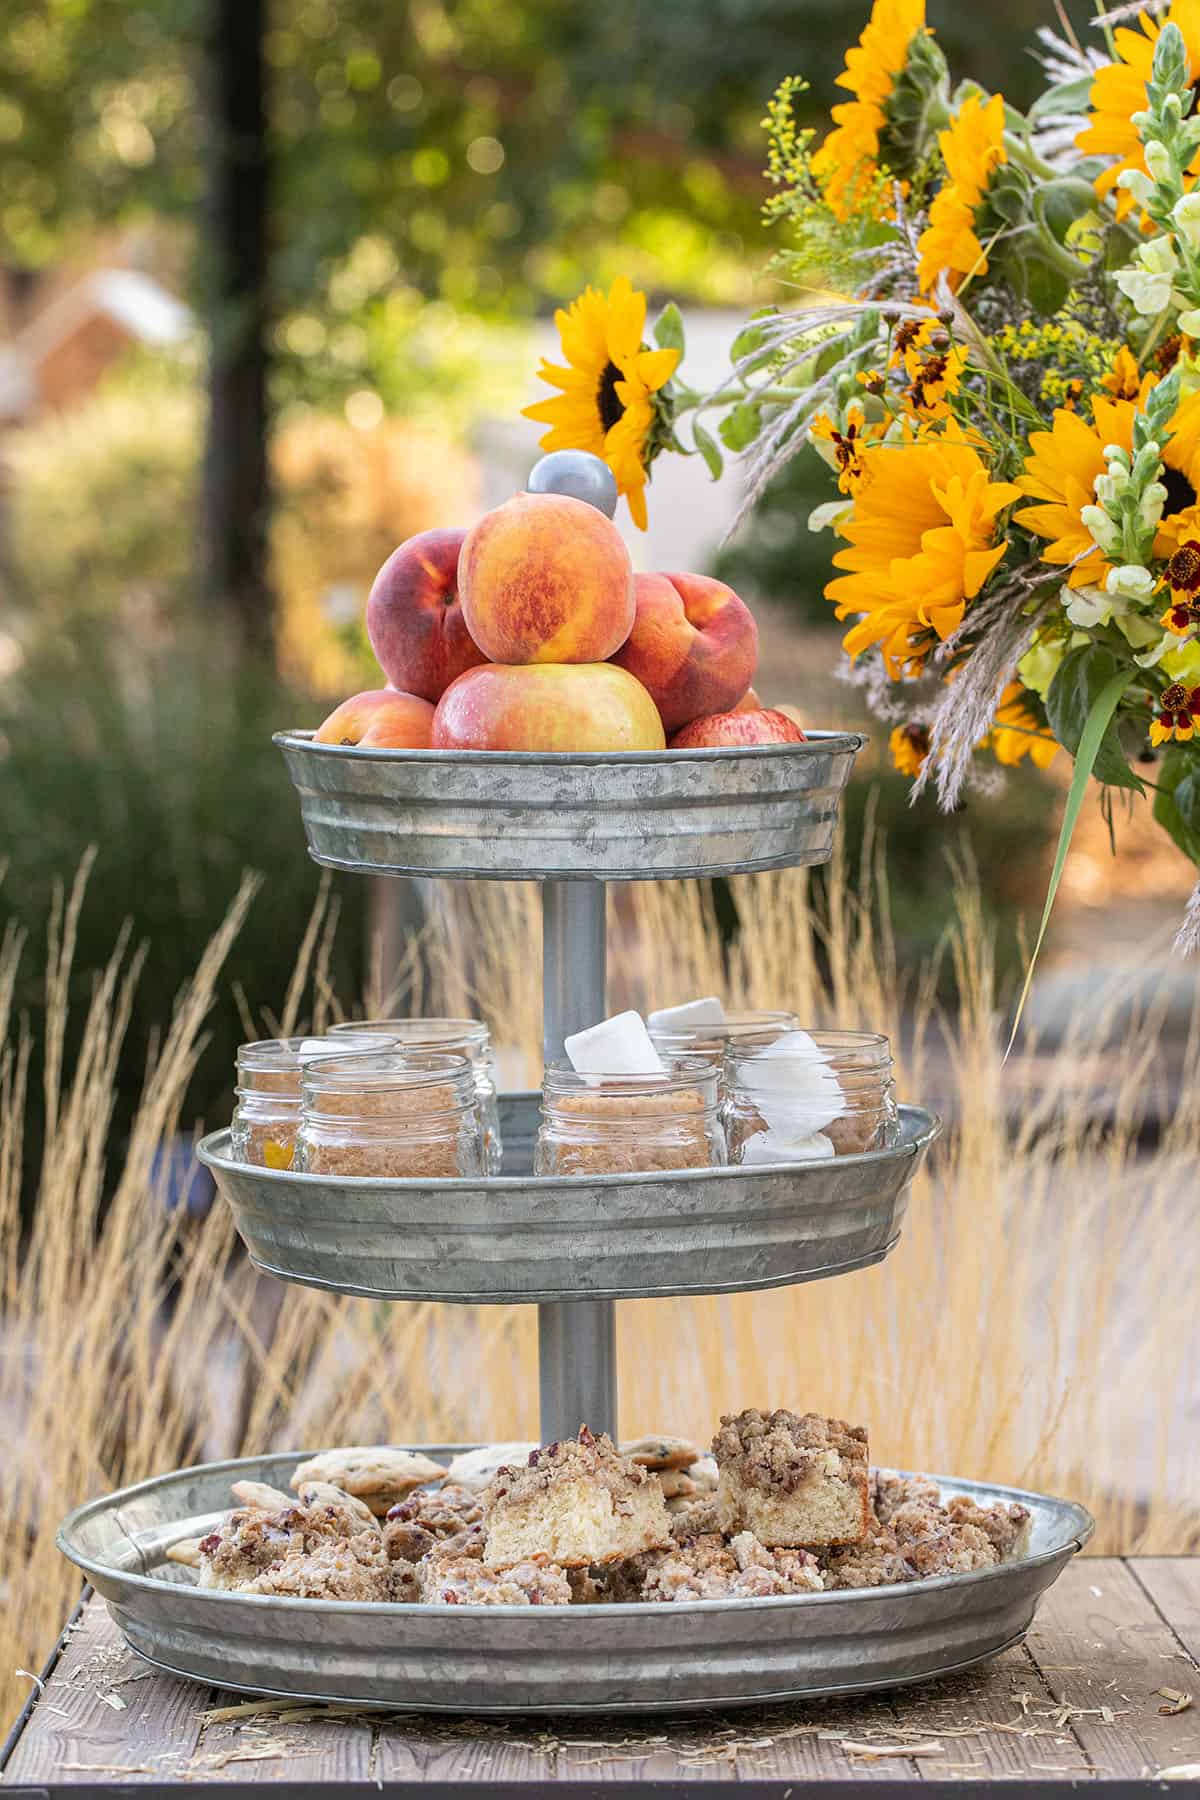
point(1107, 536)
point(1186, 218)
point(1149, 292)
point(1090, 606)
point(1135, 182)
point(1158, 160)
point(1129, 581)
point(831, 512)
point(1189, 322)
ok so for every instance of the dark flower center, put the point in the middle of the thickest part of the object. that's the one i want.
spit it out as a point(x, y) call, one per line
point(1174, 698)
point(1180, 492)
point(1183, 570)
point(608, 401)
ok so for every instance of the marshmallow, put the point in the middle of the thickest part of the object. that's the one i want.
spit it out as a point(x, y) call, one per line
point(793, 1087)
point(344, 1043)
point(773, 1147)
point(617, 1046)
point(708, 1011)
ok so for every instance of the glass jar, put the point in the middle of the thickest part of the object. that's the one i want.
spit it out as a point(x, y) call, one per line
point(461, 1037)
point(631, 1124)
point(837, 1087)
point(267, 1112)
point(407, 1114)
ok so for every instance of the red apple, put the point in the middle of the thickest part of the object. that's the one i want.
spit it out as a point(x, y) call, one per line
point(414, 619)
point(547, 706)
point(731, 729)
point(380, 719)
point(694, 646)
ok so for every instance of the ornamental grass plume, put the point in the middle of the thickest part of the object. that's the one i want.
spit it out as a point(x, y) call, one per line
point(1030, 1327)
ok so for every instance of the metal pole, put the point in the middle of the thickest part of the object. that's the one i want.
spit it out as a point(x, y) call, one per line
point(577, 1348)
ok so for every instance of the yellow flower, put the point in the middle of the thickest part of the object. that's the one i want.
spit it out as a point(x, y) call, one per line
point(922, 542)
point(1119, 91)
point(972, 146)
point(848, 446)
point(1123, 380)
point(847, 163)
point(1061, 470)
point(1179, 708)
point(608, 402)
point(1016, 733)
point(909, 746)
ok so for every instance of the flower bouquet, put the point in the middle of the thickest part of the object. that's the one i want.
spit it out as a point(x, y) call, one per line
point(998, 356)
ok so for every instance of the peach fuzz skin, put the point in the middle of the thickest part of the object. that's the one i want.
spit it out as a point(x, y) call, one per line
point(546, 579)
point(380, 719)
point(414, 619)
point(694, 646)
point(547, 706)
point(733, 730)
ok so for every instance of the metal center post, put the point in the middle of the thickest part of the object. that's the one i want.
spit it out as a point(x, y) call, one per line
point(577, 1346)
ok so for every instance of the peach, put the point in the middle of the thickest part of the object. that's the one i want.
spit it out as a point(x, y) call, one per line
point(546, 579)
point(731, 729)
point(694, 646)
point(380, 719)
point(547, 706)
point(749, 702)
point(414, 619)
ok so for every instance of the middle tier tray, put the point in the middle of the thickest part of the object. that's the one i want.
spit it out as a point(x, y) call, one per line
point(514, 1237)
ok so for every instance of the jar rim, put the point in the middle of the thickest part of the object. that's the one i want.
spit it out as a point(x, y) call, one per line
point(387, 1071)
point(293, 1053)
point(440, 1030)
point(732, 1025)
point(559, 1077)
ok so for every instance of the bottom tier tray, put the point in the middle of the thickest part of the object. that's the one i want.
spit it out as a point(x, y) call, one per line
point(573, 1237)
point(526, 1659)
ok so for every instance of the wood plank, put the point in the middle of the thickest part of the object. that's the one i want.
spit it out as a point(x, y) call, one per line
point(1100, 1643)
point(1173, 1584)
point(76, 1734)
point(316, 1744)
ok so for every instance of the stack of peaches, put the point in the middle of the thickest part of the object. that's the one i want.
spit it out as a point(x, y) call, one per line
point(531, 632)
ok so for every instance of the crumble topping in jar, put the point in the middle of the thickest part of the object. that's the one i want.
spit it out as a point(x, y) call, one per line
point(267, 1115)
point(398, 1114)
point(463, 1037)
point(630, 1124)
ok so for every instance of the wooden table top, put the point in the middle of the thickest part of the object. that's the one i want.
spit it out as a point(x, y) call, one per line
point(1106, 1689)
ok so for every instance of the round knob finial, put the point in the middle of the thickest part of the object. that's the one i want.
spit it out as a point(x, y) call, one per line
point(578, 474)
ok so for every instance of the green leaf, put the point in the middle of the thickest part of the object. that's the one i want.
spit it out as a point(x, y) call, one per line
point(1067, 97)
point(1081, 677)
point(708, 449)
point(1059, 205)
point(742, 425)
point(1177, 802)
point(1099, 721)
point(668, 328)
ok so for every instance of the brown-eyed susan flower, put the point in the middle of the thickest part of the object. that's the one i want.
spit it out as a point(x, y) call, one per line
point(972, 146)
point(1060, 473)
point(612, 401)
point(847, 163)
point(848, 446)
point(1178, 710)
point(1182, 576)
point(909, 746)
point(1016, 734)
point(1119, 92)
point(922, 540)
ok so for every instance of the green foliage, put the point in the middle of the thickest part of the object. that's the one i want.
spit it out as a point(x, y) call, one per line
point(1082, 677)
point(1177, 801)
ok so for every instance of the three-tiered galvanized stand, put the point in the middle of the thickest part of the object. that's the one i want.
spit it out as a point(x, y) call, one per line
point(572, 1245)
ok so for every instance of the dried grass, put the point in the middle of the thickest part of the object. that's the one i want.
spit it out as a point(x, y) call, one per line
point(1036, 1325)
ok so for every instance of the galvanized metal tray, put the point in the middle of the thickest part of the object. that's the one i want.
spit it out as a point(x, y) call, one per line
point(573, 1237)
point(526, 1659)
point(521, 816)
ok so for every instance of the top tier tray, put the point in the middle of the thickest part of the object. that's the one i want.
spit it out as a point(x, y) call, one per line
point(522, 816)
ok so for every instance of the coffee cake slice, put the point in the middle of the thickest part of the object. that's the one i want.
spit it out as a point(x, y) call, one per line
point(575, 1502)
point(792, 1478)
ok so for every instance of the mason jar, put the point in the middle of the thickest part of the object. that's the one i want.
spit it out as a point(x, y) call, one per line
point(267, 1112)
point(406, 1114)
point(745, 1028)
point(631, 1124)
point(844, 1093)
point(463, 1037)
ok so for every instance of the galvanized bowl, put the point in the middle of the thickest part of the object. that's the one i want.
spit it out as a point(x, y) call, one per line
point(525, 1659)
point(513, 815)
point(573, 1237)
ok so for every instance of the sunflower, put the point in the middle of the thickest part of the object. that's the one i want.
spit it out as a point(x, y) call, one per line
point(612, 401)
point(1119, 91)
point(971, 146)
point(1060, 476)
point(847, 163)
point(922, 542)
point(1016, 733)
